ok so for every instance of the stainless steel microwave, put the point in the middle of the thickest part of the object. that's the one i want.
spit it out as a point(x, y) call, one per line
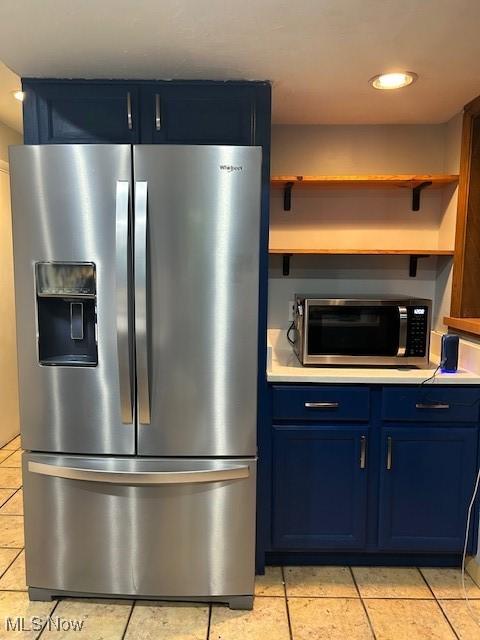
point(362, 331)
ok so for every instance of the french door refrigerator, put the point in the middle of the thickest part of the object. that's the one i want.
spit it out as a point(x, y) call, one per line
point(136, 274)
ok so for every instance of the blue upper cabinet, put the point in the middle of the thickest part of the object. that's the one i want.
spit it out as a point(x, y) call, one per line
point(146, 112)
point(80, 112)
point(426, 479)
point(191, 113)
point(319, 487)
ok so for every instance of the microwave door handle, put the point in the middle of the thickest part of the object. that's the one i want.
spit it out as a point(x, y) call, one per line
point(141, 320)
point(121, 298)
point(402, 334)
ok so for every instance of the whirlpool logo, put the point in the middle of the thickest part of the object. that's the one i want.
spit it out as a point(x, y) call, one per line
point(231, 168)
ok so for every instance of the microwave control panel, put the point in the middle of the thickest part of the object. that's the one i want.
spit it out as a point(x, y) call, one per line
point(417, 328)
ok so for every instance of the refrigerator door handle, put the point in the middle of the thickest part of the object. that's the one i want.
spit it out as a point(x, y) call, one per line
point(231, 472)
point(121, 279)
point(141, 319)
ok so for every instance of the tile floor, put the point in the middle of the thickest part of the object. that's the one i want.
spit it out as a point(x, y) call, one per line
point(292, 603)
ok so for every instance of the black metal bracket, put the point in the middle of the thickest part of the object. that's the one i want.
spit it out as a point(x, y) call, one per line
point(287, 196)
point(416, 191)
point(286, 264)
point(412, 272)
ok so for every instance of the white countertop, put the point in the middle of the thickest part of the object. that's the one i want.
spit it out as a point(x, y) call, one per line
point(283, 366)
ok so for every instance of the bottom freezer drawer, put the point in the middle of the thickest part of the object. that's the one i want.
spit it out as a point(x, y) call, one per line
point(141, 527)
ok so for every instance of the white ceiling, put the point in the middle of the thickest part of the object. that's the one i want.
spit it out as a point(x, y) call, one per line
point(318, 53)
point(10, 109)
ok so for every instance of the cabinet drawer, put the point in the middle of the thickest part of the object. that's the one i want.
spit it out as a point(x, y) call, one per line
point(319, 403)
point(428, 404)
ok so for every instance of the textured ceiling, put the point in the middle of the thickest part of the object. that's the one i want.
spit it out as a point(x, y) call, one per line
point(319, 54)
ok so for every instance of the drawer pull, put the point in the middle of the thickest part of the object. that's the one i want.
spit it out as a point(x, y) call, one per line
point(321, 405)
point(158, 121)
point(129, 112)
point(363, 452)
point(389, 453)
point(432, 405)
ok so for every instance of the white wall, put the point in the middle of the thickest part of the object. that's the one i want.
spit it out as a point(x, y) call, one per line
point(7, 137)
point(357, 149)
point(9, 418)
point(378, 219)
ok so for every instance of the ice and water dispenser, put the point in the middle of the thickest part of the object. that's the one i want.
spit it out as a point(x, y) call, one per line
point(66, 313)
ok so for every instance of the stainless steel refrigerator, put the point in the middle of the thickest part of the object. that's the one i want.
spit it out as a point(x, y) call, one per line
point(136, 275)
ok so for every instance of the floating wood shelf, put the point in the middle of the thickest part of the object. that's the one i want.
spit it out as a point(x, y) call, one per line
point(469, 325)
point(415, 182)
point(367, 252)
point(414, 254)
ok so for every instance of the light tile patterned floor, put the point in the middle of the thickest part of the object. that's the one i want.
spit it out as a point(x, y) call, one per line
point(292, 603)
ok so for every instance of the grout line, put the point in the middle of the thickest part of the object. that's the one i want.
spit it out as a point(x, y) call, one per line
point(15, 491)
point(426, 582)
point(363, 598)
point(9, 498)
point(447, 619)
point(45, 625)
point(3, 465)
point(128, 619)
point(370, 624)
point(4, 572)
point(290, 631)
point(209, 621)
point(438, 604)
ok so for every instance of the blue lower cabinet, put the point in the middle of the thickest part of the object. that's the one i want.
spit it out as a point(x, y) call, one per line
point(319, 487)
point(426, 480)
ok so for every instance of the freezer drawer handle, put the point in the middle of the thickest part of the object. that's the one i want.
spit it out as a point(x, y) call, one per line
point(134, 477)
point(322, 405)
point(141, 321)
point(121, 279)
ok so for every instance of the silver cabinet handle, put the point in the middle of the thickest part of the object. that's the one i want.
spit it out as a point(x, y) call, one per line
point(141, 320)
point(321, 405)
point(432, 405)
point(402, 334)
point(389, 453)
point(363, 452)
point(129, 111)
point(143, 478)
point(121, 295)
point(158, 122)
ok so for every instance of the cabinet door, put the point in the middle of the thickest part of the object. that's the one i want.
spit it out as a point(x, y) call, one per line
point(319, 487)
point(196, 114)
point(84, 112)
point(426, 482)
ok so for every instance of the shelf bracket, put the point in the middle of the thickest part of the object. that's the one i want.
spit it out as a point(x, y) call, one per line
point(286, 264)
point(412, 272)
point(287, 196)
point(416, 191)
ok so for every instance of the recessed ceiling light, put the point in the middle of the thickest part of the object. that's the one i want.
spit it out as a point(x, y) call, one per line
point(19, 95)
point(389, 81)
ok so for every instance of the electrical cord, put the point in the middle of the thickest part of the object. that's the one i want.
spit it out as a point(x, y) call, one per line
point(292, 326)
point(432, 377)
point(472, 613)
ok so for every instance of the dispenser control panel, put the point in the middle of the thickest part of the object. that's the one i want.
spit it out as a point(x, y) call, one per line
point(65, 279)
